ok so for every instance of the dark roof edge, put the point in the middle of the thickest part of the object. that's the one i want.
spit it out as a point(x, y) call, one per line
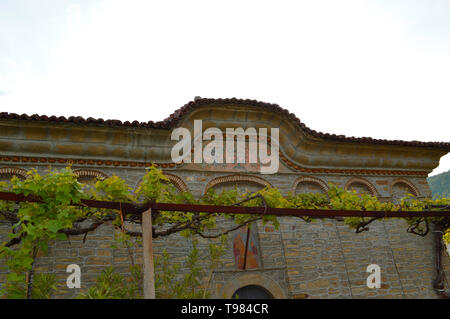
point(176, 117)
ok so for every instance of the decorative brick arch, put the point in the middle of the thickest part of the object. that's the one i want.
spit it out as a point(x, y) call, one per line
point(363, 181)
point(236, 178)
point(257, 279)
point(174, 179)
point(177, 181)
point(405, 182)
point(309, 179)
point(85, 172)
point(19, 172)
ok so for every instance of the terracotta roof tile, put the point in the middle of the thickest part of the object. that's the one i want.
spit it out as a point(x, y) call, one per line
point(177, 116)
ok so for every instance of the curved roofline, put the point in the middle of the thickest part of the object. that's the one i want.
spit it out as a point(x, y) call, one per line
point(177, 116)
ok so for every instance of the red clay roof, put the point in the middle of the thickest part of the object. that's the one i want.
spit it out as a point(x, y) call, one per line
point(176, 117)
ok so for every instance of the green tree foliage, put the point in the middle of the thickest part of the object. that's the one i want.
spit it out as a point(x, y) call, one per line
point(44, 286)
point(440, 184)
point(35, 224)
point(111, 285)
point(170, 284)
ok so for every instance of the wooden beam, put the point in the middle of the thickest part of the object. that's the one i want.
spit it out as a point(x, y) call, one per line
point(149, 268)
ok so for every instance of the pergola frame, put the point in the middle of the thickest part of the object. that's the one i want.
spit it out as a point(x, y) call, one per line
point(137, 209)
point(146, 209)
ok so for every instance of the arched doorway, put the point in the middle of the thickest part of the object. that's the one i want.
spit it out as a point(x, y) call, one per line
point(252, 292)
point(252, 278)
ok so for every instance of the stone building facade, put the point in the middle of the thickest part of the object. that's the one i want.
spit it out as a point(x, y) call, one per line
point(322, 259)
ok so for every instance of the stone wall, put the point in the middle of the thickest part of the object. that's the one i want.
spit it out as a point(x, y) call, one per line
point(321, 259)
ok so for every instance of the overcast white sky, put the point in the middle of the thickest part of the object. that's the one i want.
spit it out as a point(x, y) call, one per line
point(359, 68)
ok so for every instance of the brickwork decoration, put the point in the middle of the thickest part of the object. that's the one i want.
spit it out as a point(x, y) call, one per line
point(89, 173)
point(98, 162)
point(174, 179)
point(177, 182)
point(406, 182)
point(357, 182)
point(11, 171)
point(243, 279)
point(236, 178)
point(310, 180)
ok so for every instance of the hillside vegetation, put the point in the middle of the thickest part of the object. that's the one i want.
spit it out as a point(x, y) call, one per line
point(440, 184)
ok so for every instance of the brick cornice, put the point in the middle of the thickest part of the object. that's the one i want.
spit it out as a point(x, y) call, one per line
point(345, 171)
point(90, 162)
point(111, 163)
